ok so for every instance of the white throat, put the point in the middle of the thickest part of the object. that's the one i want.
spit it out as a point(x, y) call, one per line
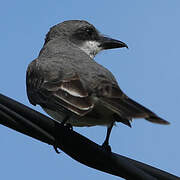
point(91, 48)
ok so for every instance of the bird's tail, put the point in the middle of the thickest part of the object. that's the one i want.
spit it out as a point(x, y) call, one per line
point(127, 109)
point(148, 114)
point(156, 119)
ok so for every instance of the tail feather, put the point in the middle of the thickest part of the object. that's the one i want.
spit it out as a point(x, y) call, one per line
point(150, 116)
point(128, 109)
point(158, 120)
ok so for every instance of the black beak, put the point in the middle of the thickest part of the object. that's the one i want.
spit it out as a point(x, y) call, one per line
point(108, 43)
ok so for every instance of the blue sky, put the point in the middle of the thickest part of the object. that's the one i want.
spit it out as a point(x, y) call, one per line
point(148, 72)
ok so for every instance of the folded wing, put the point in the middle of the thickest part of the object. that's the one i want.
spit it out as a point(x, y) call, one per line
point(61, 95)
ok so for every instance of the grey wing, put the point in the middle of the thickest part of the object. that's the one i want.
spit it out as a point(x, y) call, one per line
point(111, 96)
point(60, 94)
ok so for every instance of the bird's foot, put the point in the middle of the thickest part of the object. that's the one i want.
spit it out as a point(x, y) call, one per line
point(106, 147)
point(55, 145)
point(69, 126)
point(56, 136)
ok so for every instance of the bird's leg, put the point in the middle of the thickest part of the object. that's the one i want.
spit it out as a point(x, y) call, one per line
point(56, 132)
point(106, 145)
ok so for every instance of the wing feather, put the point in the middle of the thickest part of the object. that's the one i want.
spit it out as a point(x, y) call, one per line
point(62, 93)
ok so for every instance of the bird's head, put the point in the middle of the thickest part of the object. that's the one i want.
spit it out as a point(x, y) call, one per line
point(84, 35)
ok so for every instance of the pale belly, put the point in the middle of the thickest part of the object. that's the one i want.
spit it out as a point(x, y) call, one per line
point(99, 116)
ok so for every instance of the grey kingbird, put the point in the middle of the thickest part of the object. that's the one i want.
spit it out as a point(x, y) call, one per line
point(73, 88)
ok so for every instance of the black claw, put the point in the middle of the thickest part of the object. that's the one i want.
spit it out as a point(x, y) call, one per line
point(69, 126)
point(55, 145)
point(106, 147)
point(56, 148)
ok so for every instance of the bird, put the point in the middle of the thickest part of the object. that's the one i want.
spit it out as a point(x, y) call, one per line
point(73, 88)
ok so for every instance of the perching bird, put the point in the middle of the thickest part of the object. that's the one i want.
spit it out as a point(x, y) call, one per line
point(72, 88)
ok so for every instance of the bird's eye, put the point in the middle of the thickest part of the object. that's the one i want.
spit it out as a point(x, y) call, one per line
point(89, 31)
point(85, 33)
